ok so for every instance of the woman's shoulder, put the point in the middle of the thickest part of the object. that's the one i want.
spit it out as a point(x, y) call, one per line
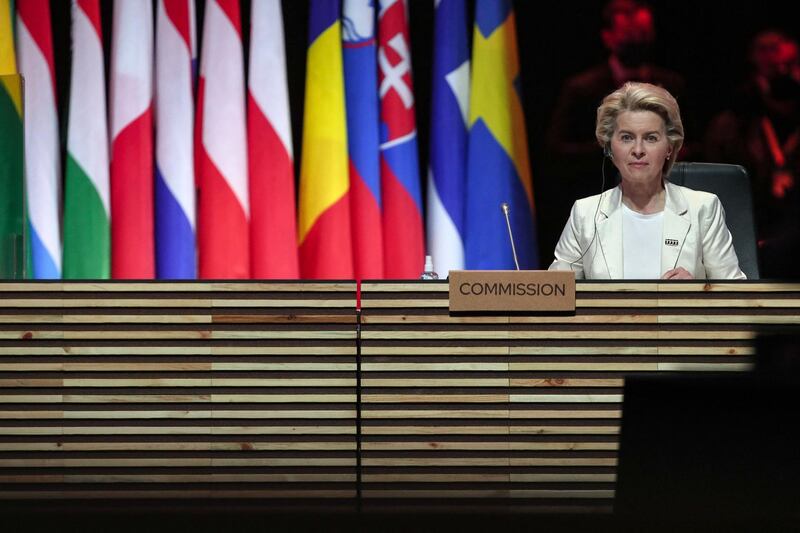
point(693, 196)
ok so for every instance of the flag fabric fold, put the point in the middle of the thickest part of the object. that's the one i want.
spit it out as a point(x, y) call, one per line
point(12, 213)
point(223, 205)
point(363, 136)
point(324, 212)
point(42, 159)
point(447, 177)
point(132, 233)
point(175, 221)
point(498, 168)
point(273, 221)
point(87, 244)
point(403, 234)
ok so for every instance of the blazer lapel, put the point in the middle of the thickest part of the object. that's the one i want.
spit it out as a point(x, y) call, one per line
point(676, 226)
point(609, 233)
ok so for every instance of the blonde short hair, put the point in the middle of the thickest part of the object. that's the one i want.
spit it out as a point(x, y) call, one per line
point(635, 96)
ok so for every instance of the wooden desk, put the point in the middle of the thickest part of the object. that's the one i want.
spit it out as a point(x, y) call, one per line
point(252, 391)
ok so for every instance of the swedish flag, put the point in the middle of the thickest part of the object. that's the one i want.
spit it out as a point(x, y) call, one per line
point(498, 167)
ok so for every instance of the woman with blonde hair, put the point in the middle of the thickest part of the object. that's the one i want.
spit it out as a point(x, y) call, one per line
point(646, 227)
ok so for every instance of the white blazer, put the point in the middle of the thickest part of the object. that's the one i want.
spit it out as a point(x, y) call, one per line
point(695, 236)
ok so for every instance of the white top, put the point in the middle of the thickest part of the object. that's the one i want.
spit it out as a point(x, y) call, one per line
point(641, 244)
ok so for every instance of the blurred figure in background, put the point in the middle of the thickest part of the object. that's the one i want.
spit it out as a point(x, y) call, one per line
point(629, 35)
point(760, 130)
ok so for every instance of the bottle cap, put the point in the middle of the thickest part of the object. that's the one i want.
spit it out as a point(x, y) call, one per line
point(428, 264)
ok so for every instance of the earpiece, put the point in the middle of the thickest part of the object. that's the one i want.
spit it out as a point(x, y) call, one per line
point(607, 152)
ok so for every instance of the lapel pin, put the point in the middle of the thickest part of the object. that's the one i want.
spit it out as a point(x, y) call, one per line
point(671, 242)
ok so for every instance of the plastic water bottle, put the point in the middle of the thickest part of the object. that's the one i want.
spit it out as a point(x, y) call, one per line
point(428, 272)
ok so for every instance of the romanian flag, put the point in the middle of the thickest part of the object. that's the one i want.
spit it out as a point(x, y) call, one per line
point(223, 204)
point(363, 137)
point(324, 217)
point(447, 177)
point(12, 215)
point(42, 147)
point(132, 234)
point(498, 168)
point(87, 245)
point(273, 226)
point(174, 105)
point(403, 234)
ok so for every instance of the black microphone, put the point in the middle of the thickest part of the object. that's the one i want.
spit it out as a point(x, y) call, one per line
point(504, 207)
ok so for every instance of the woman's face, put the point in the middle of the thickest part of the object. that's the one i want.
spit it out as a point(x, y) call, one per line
point(640, 146)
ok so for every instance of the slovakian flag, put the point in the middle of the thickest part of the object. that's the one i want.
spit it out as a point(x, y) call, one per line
point(447, 176)
point(273, 226)
point(174, 109)
point(132, 234)
point(403, 234)
point(363, 137)
point(498, 168)
point(42, 147)
point(324, 214)
point(223, 205)
point(87, 245)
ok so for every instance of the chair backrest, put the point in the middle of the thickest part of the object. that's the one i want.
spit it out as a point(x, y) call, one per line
point(732, 185)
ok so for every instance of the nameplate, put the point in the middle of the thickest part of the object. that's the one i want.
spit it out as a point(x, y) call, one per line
point(512, 290)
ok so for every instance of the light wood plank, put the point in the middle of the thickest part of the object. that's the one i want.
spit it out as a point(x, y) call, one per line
point(565, 398)
point(434, 413)
point(434, 398)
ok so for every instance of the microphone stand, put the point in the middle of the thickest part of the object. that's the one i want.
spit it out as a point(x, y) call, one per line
point(506, 210)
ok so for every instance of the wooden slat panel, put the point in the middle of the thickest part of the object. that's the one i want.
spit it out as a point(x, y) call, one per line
point(197, 390)
point(250, 389)
point(554, 384)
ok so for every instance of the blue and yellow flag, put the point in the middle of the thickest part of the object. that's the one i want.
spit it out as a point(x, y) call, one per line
point(498, 167)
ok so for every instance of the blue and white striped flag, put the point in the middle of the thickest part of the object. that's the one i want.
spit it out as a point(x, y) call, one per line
point(448, 157)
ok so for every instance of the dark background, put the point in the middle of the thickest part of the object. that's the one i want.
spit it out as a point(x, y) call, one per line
point(706, 41)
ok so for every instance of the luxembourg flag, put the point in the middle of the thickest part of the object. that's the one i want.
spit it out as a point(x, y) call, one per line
point(223, 204)
point(363, 137)
point(174, 183)
point(42, 161)
point(403, 235)
point(447, 177)
point(87, 243)
point(324, 217)
point(132, 237)
point(273, 226)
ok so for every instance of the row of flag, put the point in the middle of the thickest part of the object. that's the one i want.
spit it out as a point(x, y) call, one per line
point(189, 174)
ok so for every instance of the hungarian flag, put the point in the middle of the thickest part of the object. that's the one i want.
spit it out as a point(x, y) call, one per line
point(87, 251)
